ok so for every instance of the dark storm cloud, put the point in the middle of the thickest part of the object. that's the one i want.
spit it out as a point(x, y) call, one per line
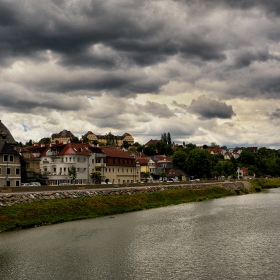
point(274, 115)
point(206, 108)
point(138, 36)
point(245, 58)
point(26, 103)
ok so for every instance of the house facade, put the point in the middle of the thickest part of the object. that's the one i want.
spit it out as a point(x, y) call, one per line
point(120, 166)
point(10, 160)
point(109, 139)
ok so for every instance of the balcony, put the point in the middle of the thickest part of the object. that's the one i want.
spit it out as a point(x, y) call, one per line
point(100, 164)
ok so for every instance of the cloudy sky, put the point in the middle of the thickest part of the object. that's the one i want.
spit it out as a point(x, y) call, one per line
point(205, 71)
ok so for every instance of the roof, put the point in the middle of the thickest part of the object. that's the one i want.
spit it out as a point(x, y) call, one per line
point(143, 160)
point(63, 134)
point(6, 148)
point(152, 142)
point(115, 152)
point(5, 131)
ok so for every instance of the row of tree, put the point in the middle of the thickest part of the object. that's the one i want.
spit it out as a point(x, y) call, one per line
point(200, 163)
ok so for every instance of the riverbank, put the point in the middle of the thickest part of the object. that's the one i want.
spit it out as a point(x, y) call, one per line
point(53, 211)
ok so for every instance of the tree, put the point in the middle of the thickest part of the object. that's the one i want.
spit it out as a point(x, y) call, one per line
point(161, 147)
point(150, 150)
point(125, 144)
point(198, 163)
point(164, 137)
point(29, 143)
point(72, 173)
point(145, 175)
point(247, 157)
point(85, 140)
point(179, 159)
point(169, 142)
point(46, 140)
point(96, 176)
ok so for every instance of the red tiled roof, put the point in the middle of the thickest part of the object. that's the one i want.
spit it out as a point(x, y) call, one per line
point(152, 142)
point(114, 152)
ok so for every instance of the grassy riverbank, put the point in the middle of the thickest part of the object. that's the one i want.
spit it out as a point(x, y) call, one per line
point(262, 183)
point(63, 210)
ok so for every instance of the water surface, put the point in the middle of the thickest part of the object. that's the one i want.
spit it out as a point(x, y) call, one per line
point(229, 238)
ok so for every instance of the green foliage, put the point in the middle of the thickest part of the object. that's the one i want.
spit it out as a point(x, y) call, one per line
point(95, 175)
point(151, 150)
point(179, 159)
point(72, 172)
point(199, 163)
point(247, 157)
point(125, 145)
point(62, 210)
point(145, 175)
point(162, 174)
point(45, 140)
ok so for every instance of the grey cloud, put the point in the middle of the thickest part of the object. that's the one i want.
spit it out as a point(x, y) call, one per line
point(24, 102)
point(207, 108)
point(245, 58)
point(274, 115)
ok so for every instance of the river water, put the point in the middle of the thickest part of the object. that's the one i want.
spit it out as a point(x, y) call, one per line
point(228, 238)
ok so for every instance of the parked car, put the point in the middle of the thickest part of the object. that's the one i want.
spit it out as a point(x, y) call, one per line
point(25, 184)
point(35, 184)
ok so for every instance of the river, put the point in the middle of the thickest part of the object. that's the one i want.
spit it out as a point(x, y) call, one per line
point(229, 238)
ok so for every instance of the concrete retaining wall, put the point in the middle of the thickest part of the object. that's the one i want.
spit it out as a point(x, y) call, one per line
point(9, 199)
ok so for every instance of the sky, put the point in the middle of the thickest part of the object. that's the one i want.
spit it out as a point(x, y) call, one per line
point(205, 71)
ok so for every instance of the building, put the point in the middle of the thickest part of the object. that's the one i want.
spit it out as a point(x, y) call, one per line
point(32, 163)
point(152, 142)
point(63, 136)
point(120, 166)
point(109, 139)
point(10, 159)
point(146, 164)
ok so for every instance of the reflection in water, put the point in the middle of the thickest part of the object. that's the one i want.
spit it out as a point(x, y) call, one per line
point(229, 238)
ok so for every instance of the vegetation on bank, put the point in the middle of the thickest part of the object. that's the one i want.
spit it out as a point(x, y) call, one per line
point(262, 183)
point(63, 210)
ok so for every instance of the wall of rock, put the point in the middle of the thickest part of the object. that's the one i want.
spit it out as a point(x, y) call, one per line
point(9, 199)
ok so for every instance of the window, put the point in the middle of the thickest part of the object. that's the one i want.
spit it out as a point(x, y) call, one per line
point(66, 159)
point(119, 180)
point(64, 169)
point(5, 158)
point(17, 183)
point(85, 170)
point(17, 171)
point(74, 159)
point(78, 170)
point(11, 158)
point(109, 169)
point(84, 159)
point(70, 159)
point(0, 170)
point(122, 170)
point(92, 160)
point(8, 183)
point(8, 171)
point(78, 159)
point(113, 169)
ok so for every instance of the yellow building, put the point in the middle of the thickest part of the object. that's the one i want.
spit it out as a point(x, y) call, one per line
point(109, 139)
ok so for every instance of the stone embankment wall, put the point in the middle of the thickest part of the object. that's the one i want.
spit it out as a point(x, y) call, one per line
point(10, 199)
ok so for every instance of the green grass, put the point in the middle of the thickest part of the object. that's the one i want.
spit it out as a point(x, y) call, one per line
point(63, 210)
point(259, 184)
